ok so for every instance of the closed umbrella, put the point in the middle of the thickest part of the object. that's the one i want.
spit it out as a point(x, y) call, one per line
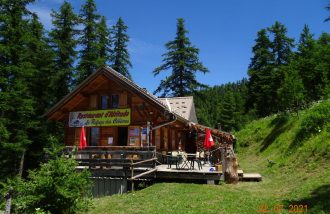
point(82, 141)
point(208, 142)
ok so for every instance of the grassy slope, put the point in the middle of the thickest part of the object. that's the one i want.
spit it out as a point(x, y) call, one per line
point(300, 175)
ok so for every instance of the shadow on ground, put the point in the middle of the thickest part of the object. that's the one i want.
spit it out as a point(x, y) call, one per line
point(318, 201)
point(279, 126)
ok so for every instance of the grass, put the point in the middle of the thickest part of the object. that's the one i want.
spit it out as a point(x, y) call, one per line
point(300, 174)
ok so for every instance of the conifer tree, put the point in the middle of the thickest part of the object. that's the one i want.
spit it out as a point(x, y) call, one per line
point(260, 72)
point(227, 113)
point(41, 56)
point(322, 69)
point(63, 39)
point(120, 59)
point(104, 42)
point(16, 101)
point(281, 44)
point(89, 54)
point(305, 62)
point(291, 92)
point(183, 62)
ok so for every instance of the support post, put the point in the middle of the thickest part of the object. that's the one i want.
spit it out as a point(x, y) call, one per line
point(8, 202)
point(132, 175)
point(148, 133)
point(223, 162)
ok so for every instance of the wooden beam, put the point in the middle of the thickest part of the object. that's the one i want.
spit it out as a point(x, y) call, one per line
point(144, 161)
point(142, 174)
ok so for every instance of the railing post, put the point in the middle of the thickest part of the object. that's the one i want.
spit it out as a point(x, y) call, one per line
point(132, 175)
point(8, 201)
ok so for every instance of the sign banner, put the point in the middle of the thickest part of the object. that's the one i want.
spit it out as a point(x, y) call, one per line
point(113, 117)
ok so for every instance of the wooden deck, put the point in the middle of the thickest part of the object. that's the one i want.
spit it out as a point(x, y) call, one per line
point(123, 165)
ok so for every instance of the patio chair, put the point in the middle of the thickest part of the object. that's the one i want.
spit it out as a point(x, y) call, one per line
point(164, 157)
point(202, 157)
point(174, 158)
point(198, 161)
point(186, 163)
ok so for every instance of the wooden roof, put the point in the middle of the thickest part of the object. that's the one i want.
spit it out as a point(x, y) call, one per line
point(95, 80)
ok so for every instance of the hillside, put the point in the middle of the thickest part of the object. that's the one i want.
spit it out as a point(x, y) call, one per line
point(291, 152)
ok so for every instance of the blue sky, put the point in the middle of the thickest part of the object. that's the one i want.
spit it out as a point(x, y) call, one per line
point(224, 31)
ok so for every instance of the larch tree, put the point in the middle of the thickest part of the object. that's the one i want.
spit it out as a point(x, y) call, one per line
point(183, 61)
point(120, 59)
point(63, 38)
point(89, 41)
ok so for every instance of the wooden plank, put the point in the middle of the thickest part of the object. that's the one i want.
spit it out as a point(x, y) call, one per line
point(252, 176)
point(144, 161)
point(144, 173)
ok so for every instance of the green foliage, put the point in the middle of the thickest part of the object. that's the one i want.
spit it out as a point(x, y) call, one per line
point(119, 57)
point(17, 104)
point(55, 188)
point(317, 120)
point(291, 92)
point(182, 59)
point(63, 41)
point(104, 41)
point(224, 105)
point(89, 54)
point(280, 79)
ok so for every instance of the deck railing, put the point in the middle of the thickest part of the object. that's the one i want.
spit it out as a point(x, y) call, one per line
point(104, 157)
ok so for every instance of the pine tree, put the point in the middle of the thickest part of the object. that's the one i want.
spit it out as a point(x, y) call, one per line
point(322, 69)
point(281, 45)
point(104, 42)
point(282, 51)
point(120, 59)
point(305, 62)
point(89, 54)
point(227, 114)
point(182, 59)
point(41, 56)
point(63, 39)
point(306, 42)
point(16, 101)
point(260, 73)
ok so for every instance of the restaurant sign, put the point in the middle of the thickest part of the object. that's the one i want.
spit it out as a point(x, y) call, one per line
point(113, 117)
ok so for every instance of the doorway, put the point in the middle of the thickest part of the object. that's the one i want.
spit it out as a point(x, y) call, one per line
point(122, 136)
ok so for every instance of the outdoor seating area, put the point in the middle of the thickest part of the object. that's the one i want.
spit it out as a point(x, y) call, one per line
point(185, 161)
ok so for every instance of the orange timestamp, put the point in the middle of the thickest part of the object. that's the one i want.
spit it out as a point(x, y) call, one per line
point(279, 208)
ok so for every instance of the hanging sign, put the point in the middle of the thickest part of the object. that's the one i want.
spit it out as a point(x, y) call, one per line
point(113, 117)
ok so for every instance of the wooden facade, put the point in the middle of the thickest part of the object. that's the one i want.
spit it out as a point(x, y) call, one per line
point(108, 90)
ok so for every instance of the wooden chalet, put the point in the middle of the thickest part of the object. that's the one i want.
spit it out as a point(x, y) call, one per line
point(123, 120)
point(117, 112)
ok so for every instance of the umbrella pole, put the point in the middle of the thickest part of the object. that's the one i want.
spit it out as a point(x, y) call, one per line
point(208, 159)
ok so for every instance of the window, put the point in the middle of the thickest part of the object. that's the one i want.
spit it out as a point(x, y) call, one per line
point(94, 136)
point(104, 102)
point(115, 101)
